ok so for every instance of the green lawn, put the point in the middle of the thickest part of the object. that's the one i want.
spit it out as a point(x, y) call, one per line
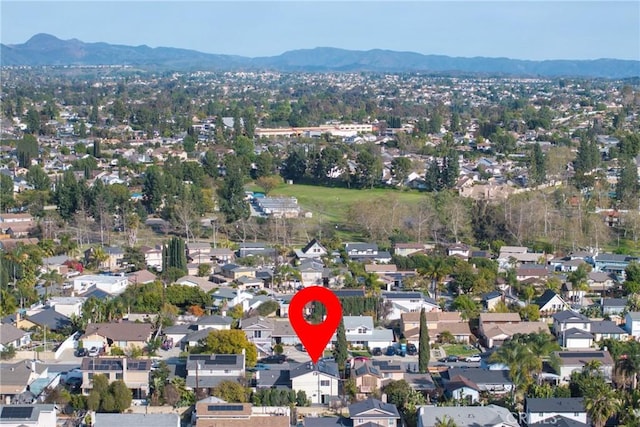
point(332, 203)
point(459, 350)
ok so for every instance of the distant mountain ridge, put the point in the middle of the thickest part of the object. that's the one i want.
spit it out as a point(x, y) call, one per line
point(45, 49)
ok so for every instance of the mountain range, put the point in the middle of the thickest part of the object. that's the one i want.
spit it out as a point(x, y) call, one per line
point(45, 49)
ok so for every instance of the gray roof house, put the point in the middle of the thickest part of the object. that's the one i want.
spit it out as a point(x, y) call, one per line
point(374, 412)
point(12, 336)
point(466, 416)
point(208, 370)
point(539, 410)
point(136, 420)
point(493, 381)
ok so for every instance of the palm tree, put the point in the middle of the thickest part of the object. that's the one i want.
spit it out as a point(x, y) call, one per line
point(629, 364)
point(436, 270)
point(602, 404)
point(98, 256)
point(446, 421)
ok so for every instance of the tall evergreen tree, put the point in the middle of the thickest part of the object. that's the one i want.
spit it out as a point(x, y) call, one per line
point(232, 202)
point(424, 350)
point(537, 166)
point(341, 350)
point(627, 186)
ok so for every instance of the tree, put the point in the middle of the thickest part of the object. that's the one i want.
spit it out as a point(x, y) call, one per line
point(26, 150)
point(537, 166)
point(424, 350)
point(627, 188)
point(601, 404)
point(174, 255)
point(400, 168)
point(295, 165)
point(121, 394)
point(33, 121)
point(468, 308)
point(368, 169)
point(232, 198)
point(153, 188)
point(38, 178)
point(446, 421)
point(231, 391)
point(6, 191)
point(232, 341)
point(341, 352)
point(268, 183)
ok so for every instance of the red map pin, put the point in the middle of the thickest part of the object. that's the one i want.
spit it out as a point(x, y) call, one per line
point(315, 337)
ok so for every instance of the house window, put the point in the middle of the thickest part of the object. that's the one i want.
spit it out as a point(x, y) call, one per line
point(362, 330)
point(325, 383)
point(257, 334)
point(90, 375)
point(119, 375)
point(576, 414)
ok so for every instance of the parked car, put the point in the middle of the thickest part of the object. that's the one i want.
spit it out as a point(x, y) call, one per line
point(391, 351)
point(452, 358)
point(93, 352)
point(412, 350)
point(377, 351)
point(474, 358)
point(261, 367)
point(81, 352)
point(275, 358)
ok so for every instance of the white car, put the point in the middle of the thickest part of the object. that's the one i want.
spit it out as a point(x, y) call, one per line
point(475, 358)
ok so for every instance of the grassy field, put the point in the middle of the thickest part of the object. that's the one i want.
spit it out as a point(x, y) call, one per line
point(332, 204)
point(459, 350)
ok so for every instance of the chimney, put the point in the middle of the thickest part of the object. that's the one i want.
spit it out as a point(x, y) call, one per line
point(383, 397)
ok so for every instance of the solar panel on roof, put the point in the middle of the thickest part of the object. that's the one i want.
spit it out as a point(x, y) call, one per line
point(582, 354)
point(16, 412)
point(223, 360)
point(225, 408)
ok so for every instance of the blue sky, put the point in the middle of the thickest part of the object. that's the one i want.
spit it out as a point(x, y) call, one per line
point(515, 29)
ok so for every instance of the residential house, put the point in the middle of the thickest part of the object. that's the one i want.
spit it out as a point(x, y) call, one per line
point(44, 318)
point(550, 302)
point(366, 252)
point(152, 257)
point(113, 285)
point(459, 250)
point(17, 379)
point(438, 322)
point(114, 258)
point(606, 329)
point(234, 271)
point(511, 256)
point(572, 361)
point(632, 324)
point(67, 305)
point(259, 331)
point(374, 412)
point(613, 263)
point(123, 335)
point(466, 416)
point(613, 306)
point(199, 282)
point(311, 272)
point(199, 252)
point(256, 249)
point(576, 339)
point(312, 250)
point(389, 370)
point(136, 420)
point(222, 255)
point(319, 381)
point(494, 334)
point(600, 281)
point(491, 299)
point(208, 370)
point(407, 249)
point(486, 380)
point(134, 373)
point(490, 321)
point(36, 415)
point(568, 319)
point(141, 277)
point(214, 321)
point(532, 272)
point(407, 302)
point(462, 390)
point(229, 297)
point(10, 336)
point(368, 378)
point(548, 410)
point(360, 333)
point(214, 412)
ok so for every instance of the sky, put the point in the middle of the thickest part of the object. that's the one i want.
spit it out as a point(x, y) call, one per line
point(518, 29)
